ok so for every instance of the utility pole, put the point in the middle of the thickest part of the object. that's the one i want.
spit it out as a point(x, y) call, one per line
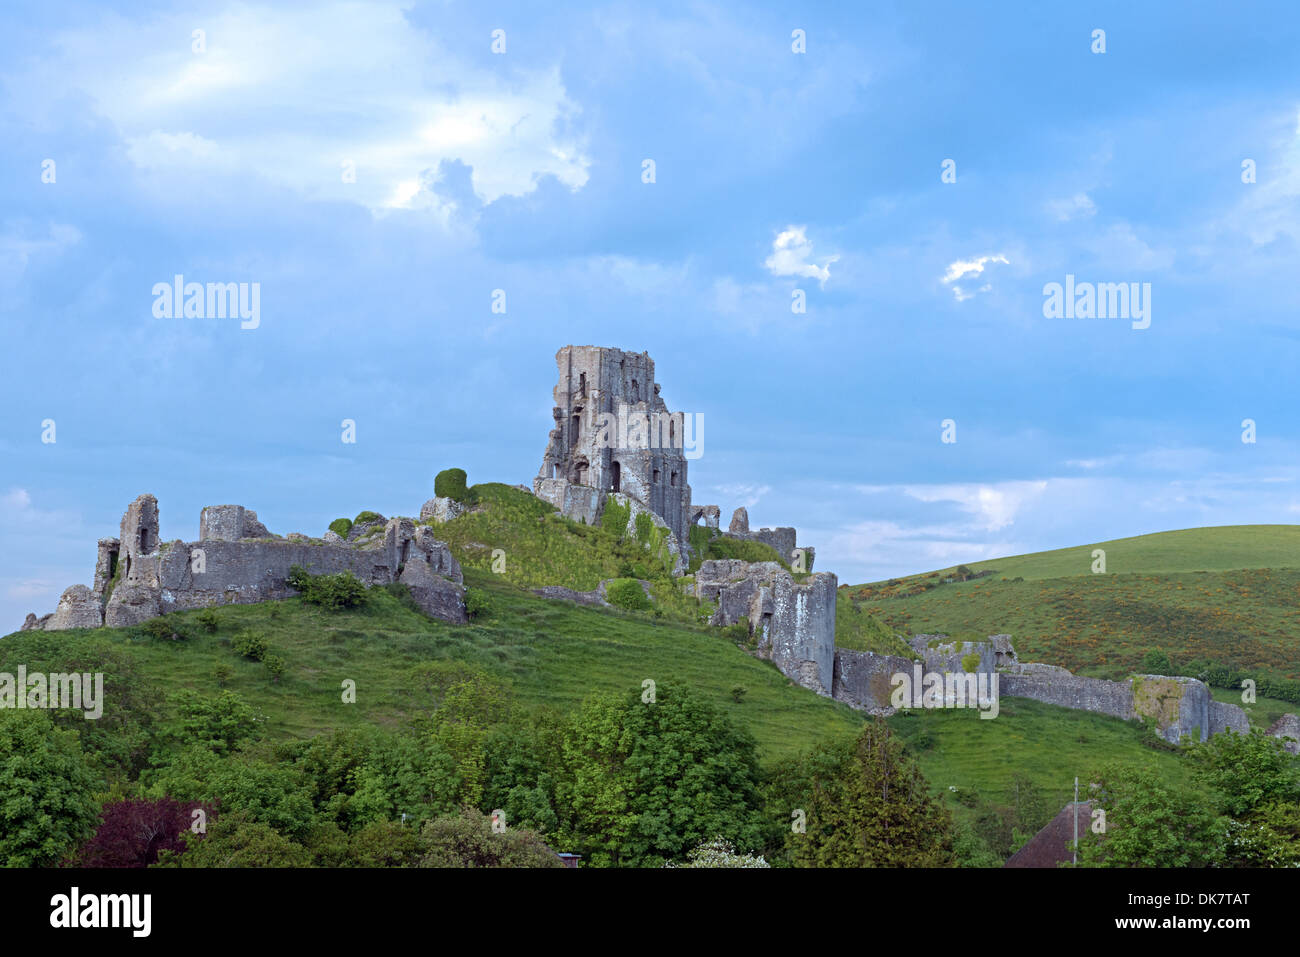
point(1076, 819)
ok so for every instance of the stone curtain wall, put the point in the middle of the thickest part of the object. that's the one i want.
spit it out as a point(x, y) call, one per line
point(243, 563)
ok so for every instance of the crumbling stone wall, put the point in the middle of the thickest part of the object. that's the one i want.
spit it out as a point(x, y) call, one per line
point(794, 624)
point(1287, 728)
point(865, 680)
point(781, 538)
point(238, 561)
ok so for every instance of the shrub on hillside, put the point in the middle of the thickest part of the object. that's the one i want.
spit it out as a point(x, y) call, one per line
point(341, 526)
point(477, 603)
point(275, 666)
point(343, 590)
point(627, 593)
point(1156, 662)
point(207, 620)
point(644, 527)
point(366, 516)
point(162, 628)
point(250, 644)
point(615, 517)
point(450, 483)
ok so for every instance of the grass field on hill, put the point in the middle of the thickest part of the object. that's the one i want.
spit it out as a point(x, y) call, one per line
point(1229, 595)
point(1048, 745)
point(555, 653)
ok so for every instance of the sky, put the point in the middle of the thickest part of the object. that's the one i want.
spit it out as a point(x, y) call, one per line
point(917, 174)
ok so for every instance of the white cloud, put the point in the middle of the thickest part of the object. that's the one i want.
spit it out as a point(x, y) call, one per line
point(1121, 248)
point(291, 94)
point(792, 254)
point(19, 245)
point(992, 506)
point(962, 268)
point(746, 496)
point(1270, 207)
point(1078, 205)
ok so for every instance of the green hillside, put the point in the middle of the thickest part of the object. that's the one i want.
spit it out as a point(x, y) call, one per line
point(525, 665)
point(1215, 549)
point(1226, 596)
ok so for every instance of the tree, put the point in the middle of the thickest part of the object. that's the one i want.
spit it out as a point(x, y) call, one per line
point(873, 809)
point(132, 833)
point(719, 853)
point(450, 483)
point(217, 724)
point(1156, 662)
point(386, 844)
point(236, 841)
point(1268, 837)
point(467, 840)
point(644, 782)
point(1246, 770)
point(1149, 824)
point(47, 801)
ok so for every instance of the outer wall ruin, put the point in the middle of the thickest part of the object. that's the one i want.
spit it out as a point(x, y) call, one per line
point(237, 561)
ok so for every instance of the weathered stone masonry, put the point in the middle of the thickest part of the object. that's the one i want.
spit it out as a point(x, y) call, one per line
point(237, 561)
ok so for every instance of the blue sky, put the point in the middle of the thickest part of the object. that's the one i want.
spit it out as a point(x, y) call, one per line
point(774, 171)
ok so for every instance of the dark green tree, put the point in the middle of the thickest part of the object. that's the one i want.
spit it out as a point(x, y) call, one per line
point(47, 799)
point(1149, 824)
point(873, 809)
point(646, 782)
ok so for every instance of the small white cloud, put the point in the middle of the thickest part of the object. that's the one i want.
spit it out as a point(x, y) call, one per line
point(792, 254)
point(1078, 205)
point(15, 502)
point(747, 495)
point(971, 267)
point(993, 507)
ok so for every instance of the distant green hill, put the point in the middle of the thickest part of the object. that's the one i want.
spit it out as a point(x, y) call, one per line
point(1215, 549)
point(1225, 595)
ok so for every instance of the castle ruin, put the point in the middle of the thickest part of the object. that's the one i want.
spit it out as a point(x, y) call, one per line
point(236, 560)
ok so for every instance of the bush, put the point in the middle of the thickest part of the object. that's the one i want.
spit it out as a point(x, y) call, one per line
point(738, 693)
point(367, 516)
point(222, 674)
point(450, 483)
point(343, 590)
point(644, 527)
point(627, 593)
point(159, 628)
point(477, 603)
point(1156, 662)
point(207, 620)
point(341, 526)
point(614, 518)
point(250, 644)
point(274, 665)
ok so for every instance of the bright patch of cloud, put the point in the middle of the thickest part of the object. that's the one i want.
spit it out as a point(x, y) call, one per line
point(971, 267)
point(992, 506)
point(351, 85)
point(1076, 206)
point(792, 254)
point(747, 496)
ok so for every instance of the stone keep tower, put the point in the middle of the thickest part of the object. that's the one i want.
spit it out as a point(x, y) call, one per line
point(614, 434)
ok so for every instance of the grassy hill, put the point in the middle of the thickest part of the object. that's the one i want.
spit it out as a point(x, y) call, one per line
point(555, 654)
point(1226, 595)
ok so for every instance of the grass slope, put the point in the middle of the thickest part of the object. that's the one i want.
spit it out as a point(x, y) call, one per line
point(1227, 595)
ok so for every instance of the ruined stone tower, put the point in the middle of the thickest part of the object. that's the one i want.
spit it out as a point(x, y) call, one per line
point(614, 434)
